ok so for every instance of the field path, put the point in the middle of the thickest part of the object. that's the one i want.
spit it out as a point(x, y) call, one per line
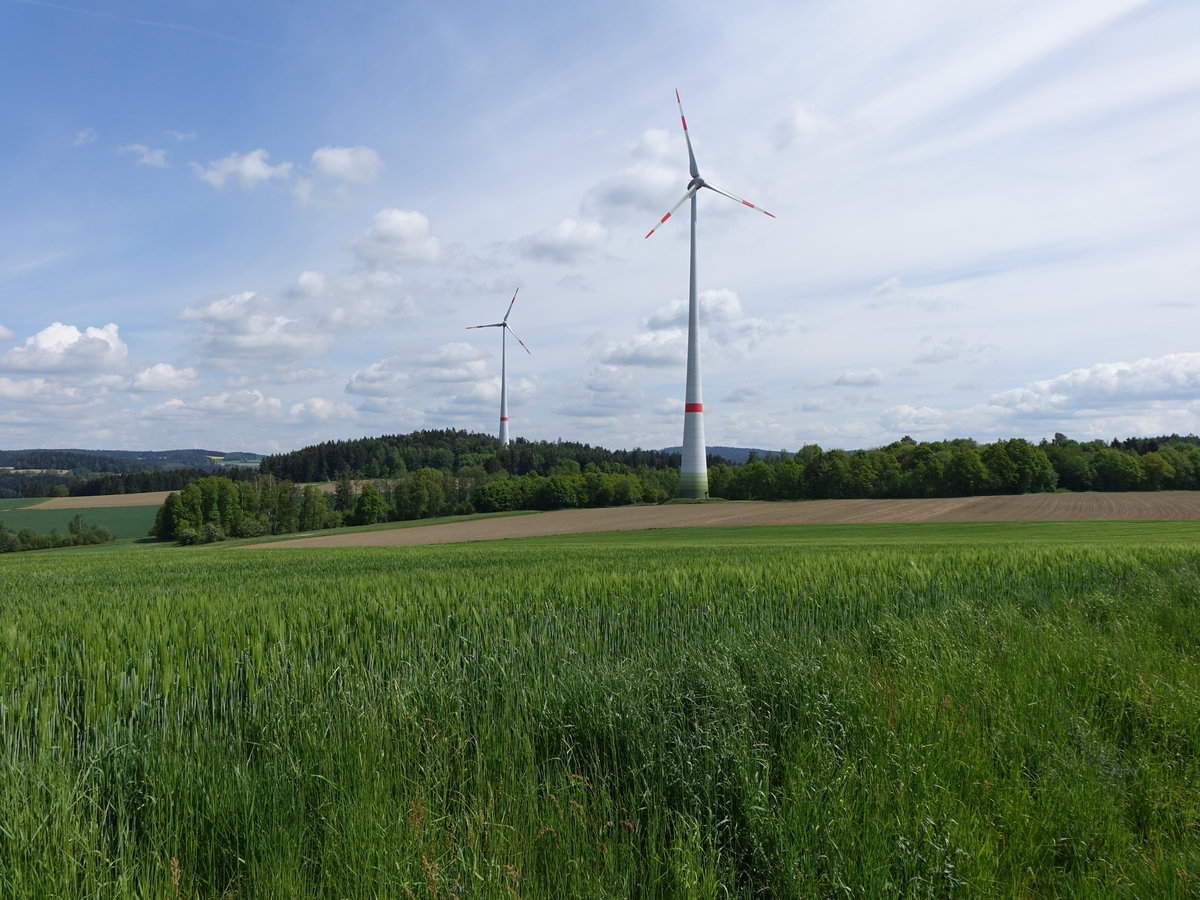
point(1163, 505)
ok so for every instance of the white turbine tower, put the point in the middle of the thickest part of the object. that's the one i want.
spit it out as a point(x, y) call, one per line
point(505, 329)
point(693, 471)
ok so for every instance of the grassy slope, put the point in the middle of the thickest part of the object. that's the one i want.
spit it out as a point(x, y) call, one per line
point(911, 711)
point(123, 521)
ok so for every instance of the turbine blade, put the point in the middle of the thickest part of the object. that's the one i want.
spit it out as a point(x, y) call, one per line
point(519, 341)
point(694, 169)
point(739, 200)
point(493, 325)
point(686, 197)
point(510, 304)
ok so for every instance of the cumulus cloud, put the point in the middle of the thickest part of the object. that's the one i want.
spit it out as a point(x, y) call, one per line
point(647, 186)
point(386, 378)
point(7, 334)
point(453, 362)
point(355, 165)
point(249, 169)
point(164, 377)
point(398, 235)
point(353, 300)
point(64, 348)
point(248, 404)
point(318, 409)
point(38, 391)
point(1175, 377)
point(146, 156)
point(746, 394)
point(945, 350)
point(859, 378)
point(569, 242)
point(723, 317)
point(84, 137)
point(653, 349)
point(245, 326)
point(906, 418)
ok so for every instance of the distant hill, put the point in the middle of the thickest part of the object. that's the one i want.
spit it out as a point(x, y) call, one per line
point(124, 460)
point(737, 455)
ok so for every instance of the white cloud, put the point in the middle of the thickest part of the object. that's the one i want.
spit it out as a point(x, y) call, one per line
point(38, 391)
point(654, 349)
point(249, 169)
point(914, 419)
point(164, 377)
point(356, 165)
point(386, 378)
point(84, 137)
point(398, 235)
point(249, 404)
point(147, 156)
point(570, 242)
point(454, 362)
point(318, 409)
point(859, 378)
point(646, 187)
point(353, 300)
point(182, 135)
point(934, 351)
point(245, 326)
point(1175, 377)
point(7, 334)
point(64, 348)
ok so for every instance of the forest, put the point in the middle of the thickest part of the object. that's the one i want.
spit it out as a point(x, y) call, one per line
point(438, 473)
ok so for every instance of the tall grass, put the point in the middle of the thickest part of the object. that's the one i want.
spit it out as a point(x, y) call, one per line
point(652, 721)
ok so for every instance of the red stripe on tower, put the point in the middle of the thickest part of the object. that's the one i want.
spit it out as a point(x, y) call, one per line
point(504, 418)
point(693, 407)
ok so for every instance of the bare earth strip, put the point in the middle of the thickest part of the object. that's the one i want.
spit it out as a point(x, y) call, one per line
point(1163, 506)
point(104, 501)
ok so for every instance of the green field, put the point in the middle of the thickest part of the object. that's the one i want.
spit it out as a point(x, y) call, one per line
point(923, 711)
point(123, 521)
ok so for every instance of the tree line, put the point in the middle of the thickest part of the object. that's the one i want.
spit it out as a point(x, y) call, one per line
point(78, 534)
point(452, 450)
point(214, 507)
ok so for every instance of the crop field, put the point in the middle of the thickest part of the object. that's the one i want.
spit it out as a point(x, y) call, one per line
point(123, 521)
point(791, 712)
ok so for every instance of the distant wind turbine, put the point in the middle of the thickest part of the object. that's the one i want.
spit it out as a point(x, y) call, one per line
point(693, 471)
point(505, 329)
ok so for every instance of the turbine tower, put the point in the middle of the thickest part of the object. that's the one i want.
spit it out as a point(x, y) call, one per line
point(505, 329)
point(693, 471)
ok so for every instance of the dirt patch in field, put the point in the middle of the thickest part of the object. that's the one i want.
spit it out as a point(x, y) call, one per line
point(150, 498)
point(1167, 505)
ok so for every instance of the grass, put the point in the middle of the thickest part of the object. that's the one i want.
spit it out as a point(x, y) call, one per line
point(126, 522)
point(909, 711)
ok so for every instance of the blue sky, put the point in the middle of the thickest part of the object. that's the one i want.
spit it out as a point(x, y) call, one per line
point(262, 225)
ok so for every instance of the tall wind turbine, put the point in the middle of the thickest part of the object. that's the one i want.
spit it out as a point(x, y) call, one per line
point(505, 329)
point(693, 471)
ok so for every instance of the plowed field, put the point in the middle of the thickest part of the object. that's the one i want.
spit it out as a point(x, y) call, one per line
point(1164, 505)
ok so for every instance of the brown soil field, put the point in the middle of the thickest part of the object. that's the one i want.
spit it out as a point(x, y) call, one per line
point(150, 498)
point(1164, 505)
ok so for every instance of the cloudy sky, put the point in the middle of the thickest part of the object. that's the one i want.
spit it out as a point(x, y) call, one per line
point(255, 226)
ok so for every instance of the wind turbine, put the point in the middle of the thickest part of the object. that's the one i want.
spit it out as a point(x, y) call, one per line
point(505, 329)
point(693, 471)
